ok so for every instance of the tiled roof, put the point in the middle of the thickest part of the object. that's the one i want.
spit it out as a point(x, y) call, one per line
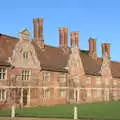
point(115, 69)
point(91, 66)
point(50, 57)
point(7, 44)
point(54, 58)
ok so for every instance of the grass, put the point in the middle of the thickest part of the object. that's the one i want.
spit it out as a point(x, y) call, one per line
point(100, 111)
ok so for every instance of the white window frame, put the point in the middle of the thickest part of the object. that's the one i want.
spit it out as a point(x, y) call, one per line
point(46, 93)
point(61, 77)
point(25, 55)
point(95, 93)
point(98, 81)
point(88, 80)
point(114, 82)
point(107, 82)
point(25, 74)
point(98, 93)
point(2, 94)
point(46, 75)
point(62, 93)
point(3, 73)
point(89, 93)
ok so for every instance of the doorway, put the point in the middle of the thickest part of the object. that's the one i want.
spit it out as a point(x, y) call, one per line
point(25, 94)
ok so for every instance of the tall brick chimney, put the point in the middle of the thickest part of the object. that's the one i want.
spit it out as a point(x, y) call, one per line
point(92, 47)
point(38, 32)
point(106, 49)
point(63, 37)
point(75, 39)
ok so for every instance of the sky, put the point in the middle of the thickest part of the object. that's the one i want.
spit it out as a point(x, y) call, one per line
point(99, 19)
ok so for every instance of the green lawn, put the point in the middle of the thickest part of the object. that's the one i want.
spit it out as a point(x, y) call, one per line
point(108, 110)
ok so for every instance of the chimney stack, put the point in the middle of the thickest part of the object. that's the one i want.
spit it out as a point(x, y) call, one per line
point(75, 39)
point(106, 49)
point(92, 47)
point(63, 37)
point(38, 32)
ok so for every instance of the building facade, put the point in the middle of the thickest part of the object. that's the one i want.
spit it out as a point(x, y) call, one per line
point(33, 73)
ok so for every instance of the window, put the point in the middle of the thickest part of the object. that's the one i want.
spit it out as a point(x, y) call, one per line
point(94, 93)
point(88, 92)
point(2, 94)
point(46, 76)
point(2, 73)
point(97, 93)
point(98, 81)
point(106, 82)
point(46, 93)
point(61, 77)
point(114, 93)
point(25, 55)
point(26, 74)
point(88, 80)
point(62, 93)
point(114, 82)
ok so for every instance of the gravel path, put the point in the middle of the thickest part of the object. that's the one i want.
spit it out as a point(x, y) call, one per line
point(20, 118)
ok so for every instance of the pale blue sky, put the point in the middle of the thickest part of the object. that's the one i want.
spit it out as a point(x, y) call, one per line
point(93, 18)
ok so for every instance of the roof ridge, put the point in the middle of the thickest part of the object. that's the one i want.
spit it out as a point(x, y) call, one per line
point(8, 36)
point(51, 46)
point(115, 61)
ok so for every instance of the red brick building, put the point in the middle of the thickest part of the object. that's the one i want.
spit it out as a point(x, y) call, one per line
point(33, 73)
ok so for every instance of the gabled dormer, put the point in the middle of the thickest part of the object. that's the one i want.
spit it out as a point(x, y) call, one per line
point(105, 68)
point(24, 55)
point(75, 66)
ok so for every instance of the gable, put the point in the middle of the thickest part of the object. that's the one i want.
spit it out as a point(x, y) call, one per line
point(24, 55)
point(105, 68)
point(25, 34)
point(75, 65)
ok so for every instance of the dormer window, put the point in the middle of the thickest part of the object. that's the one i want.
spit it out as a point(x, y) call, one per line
point(26, 74)
point(25, 52)
point(25, 55)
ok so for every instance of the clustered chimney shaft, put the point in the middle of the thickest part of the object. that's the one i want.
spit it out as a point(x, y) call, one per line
point(75, 39)
point(92, 47)
point(106, 49)
point(38, 32)
point(63, 37)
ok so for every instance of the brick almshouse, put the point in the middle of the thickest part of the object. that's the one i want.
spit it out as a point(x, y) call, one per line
point(33, 73)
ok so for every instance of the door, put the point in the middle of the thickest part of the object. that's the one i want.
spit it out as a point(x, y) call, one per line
point(25, 94)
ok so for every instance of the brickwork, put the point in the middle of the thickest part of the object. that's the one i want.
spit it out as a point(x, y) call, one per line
point(39, 81)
